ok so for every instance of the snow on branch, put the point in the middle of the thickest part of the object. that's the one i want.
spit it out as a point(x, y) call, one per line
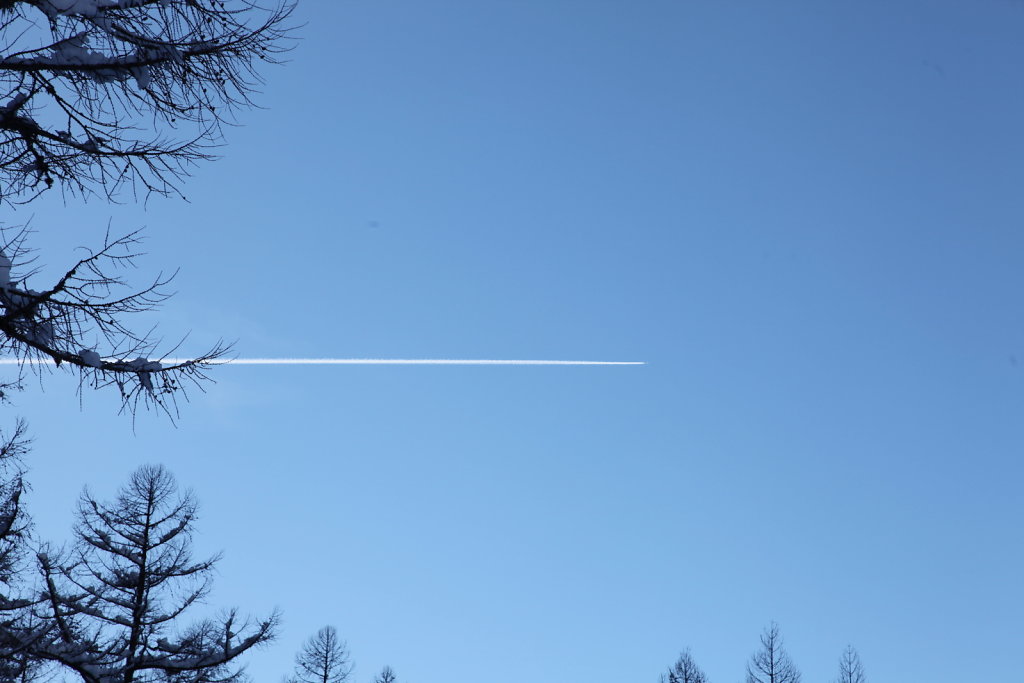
point(79, 323)
point(109, 615)
point(98, 95)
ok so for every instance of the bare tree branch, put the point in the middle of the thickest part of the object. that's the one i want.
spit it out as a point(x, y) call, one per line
point(850, 668)
point(111, 608)
point(771, 664)
point(100, 95)
point(386, 675)
point(685, 670)
point(324, 658)
point(79, 323)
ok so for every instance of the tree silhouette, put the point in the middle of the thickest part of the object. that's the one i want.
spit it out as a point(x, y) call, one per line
point(850, 668)
point(96, 97)
point(771, 664)
point(112, 609)
point(324, 658)
point(685, 670)
point(386, 675)
point(100, 95)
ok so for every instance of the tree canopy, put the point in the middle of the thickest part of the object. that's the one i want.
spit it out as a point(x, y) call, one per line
point(113, 608)
point(102, 97)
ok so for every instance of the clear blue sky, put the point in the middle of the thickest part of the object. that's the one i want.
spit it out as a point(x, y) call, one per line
point(806, 217)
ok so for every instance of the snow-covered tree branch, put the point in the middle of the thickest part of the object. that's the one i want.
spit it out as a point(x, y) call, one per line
point(100, 95)
point(79, 322)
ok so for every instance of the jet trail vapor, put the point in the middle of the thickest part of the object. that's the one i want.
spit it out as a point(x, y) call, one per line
point(360, 361)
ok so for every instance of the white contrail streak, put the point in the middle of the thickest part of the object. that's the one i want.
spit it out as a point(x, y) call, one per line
point(359, 361)
point(416, 361)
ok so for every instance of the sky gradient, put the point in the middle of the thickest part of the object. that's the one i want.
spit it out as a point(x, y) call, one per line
point(805, 218)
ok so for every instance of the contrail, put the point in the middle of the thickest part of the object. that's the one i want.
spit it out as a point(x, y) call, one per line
point(357, 361)
point(416, 361)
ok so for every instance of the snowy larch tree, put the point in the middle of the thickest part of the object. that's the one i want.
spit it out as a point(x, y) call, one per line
point(771, 664)
point(111, 610)
point(324, 658)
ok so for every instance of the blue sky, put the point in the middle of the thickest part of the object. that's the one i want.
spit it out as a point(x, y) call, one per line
point(805, 218)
